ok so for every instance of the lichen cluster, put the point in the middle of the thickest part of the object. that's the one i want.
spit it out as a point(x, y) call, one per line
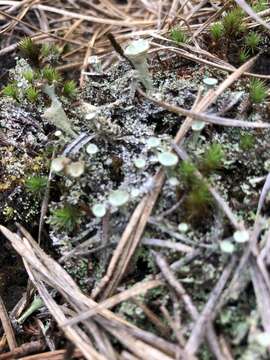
point(127, 139)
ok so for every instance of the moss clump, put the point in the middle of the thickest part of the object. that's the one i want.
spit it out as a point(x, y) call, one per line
point(217, 31)
point(260, 5)
point(65, 218)
point(36, 185)
point(198, 199)
point(178, 36)
point(29, 75)
point(247, 141)
point(257, 91)
point(243, 56)
point(70, 89)
point(213, 158)
point(31, 94)
point(51, 74)
point(233, 23)
point(252, 41)
point(30, 50)
point(50, 53)
point(11, 90)
point(187, 172)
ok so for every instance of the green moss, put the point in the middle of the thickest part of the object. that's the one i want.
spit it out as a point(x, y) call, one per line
point(31, 94)
point(51, 74)
point(187, 172)
point(65, 218)
point(217, 31)
point(70, 89)
point(29, 49)
point(49, 50)
point(260, 5)
point(233, 22)
point(212, 158)
point(252, 41)
point(257, 91)
point(198, 199)
point(243, 56)
point(178, 36)
point(36, 184)
point(29, 75)
point(247, 141)
point(11, 90)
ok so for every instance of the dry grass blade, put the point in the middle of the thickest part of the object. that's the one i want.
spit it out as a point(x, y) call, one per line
point(32, 264)
point(125, 23)
point(261, 261)
point(53, 355)
point(243, 4)
point(141, 347)
point(83, 343)
point(262, 294)
point(7, 326)
point(212, 119)
point(153, 318)
point(135, 236)
point(178, 288)
point(120, 248)
point(41, 267)
point(265, 190)
point(167, 244)
point(137, 289)
point(197, 334)
point(47, 34)
point(23, 350)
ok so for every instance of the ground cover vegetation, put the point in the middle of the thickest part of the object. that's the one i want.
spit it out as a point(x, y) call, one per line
point(134, 162)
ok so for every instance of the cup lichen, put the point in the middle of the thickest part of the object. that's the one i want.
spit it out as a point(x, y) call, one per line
point(137, 52)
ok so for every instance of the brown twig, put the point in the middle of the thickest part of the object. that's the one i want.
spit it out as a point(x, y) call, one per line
point(180, 291)
point(7, 326)
point(197, 334)
point(25, 349)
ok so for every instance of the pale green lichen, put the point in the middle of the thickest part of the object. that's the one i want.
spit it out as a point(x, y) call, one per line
point(55, 114)
point(137, 53)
